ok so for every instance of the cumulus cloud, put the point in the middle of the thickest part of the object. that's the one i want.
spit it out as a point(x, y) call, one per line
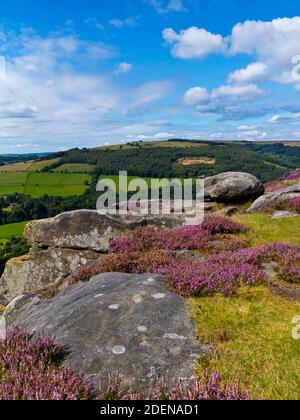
point(253, 72)
point(55, 94)
point(193, 42)
point(274, 45)
point(225, 100)
point(196, 95)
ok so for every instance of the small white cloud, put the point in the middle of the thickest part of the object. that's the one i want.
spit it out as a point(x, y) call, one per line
point(193, 42)
point(253, 72)
point(247, 127)
point(123, 68)
point(241, 92)
point(121, 23)
point(196, 95)
point(166, 6)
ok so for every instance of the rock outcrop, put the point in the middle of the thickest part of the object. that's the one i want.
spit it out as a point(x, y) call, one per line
point(65, 242)
point(268, 201)
point(232, 187)
point(117, 322)
point(88, 229)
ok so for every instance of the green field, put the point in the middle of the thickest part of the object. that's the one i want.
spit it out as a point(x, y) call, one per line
point(39, 165)
point(16, 167)
point(38, 184)
point(116, 179)
point(80, 168)
point(14, 229)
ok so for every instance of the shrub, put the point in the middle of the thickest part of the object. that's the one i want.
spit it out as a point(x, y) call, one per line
point(30, 369)
point(294, 176)
point(295, 204)
point(136, 263)
point(193, 237)
point(210, 387)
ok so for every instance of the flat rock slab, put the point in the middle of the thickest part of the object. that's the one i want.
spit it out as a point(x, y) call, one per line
point(118, 322)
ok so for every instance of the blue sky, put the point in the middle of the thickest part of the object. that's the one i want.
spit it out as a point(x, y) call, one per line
point(90, 73)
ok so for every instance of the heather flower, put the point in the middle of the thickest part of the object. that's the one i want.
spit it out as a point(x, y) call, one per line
point(31, 369)
point(210, 387)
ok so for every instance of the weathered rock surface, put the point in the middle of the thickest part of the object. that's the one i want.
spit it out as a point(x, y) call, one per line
point(130, 323)
point(267, 201)
point(63, 243)
point(40, 269)
point(284, 214)
point(88, 229)
point(233, 187)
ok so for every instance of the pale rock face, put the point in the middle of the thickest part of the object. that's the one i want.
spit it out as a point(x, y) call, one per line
point(268, 201)
point(61, 244)
point(233, 187)
point(88, 229)
point(115, 333)
point(40, 269)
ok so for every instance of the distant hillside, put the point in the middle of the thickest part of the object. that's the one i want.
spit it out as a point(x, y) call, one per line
point(201, 158)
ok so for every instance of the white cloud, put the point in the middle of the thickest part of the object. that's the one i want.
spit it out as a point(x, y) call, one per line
point(285, 119)
point(195, 96)
point(166, 6)
point(121, 23)
point(47, 98)
point(238, 92)
point(247, 127)
point(123, 68)
point(253, 72)
point(274, 45)
point(193, 42)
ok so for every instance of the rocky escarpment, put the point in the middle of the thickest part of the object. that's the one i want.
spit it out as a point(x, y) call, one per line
point(74, 239)
point(63, 243)
point(117, 322)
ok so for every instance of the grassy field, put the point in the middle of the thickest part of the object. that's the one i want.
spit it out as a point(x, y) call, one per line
point(251, 334)
point(16, 167)
point(37, 184)
point(39, 165)
point(80, 168)
point(152, 144)
point(116, 179)
point(14, 229)
point(263, 229)
point(251, 338)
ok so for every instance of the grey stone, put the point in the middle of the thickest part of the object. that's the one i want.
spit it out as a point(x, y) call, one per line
point(88, 229)
point(141, 339)
point(267, 201)
point(284, 214)
point(233, 187)
point(40, 269)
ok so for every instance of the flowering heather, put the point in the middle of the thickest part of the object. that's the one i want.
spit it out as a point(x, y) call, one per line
point(137, 263)
point(193, 237)
point(294, 176)
point(190, 278)
point(295, 204)
point(210, 387)
point(30, 369)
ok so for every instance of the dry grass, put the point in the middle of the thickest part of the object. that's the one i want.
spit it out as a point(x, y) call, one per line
point(251, 336)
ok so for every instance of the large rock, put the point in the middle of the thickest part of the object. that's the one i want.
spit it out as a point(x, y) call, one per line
point(87, 229)
point(269, 200)
point(40, 269)
point(232, 187)
point(117, 322)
